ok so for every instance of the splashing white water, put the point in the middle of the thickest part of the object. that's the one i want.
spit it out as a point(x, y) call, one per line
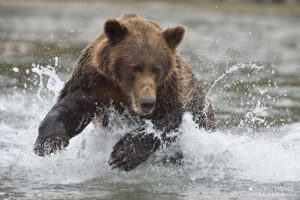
point(269, 157)
point(48, 80)
point(231, 70)
point(222, 155)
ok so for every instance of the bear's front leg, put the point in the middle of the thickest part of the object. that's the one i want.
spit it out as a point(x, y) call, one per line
point(133, 149)
point(67, 118)
point(137, 146)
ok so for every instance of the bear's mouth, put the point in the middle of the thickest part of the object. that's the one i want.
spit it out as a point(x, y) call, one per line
point(143, 107)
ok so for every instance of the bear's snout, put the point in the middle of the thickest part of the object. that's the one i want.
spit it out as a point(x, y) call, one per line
point(147, 104)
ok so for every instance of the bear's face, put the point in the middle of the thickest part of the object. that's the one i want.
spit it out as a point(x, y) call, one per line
point(139, 74)
point(142, 58)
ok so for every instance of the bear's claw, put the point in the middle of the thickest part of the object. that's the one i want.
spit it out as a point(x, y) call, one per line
point(50, 145)
point(133, 149)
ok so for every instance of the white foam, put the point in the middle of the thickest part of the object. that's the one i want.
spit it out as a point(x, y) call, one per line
point(265, 156)
point(223, 155)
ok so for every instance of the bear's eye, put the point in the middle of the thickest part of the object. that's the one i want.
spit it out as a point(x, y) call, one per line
point(137, 69)
point(156, 70)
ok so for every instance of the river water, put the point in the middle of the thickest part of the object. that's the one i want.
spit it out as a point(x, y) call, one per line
point(248, 61)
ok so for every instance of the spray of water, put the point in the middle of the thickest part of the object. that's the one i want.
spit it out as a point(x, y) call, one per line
point(48, 80)
point(231, 70)
point(217, 156)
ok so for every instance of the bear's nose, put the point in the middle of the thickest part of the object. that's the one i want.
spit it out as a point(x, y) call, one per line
point(147, 104)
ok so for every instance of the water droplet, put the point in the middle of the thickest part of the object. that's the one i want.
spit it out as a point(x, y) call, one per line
point(56, 61)
point(15, 69)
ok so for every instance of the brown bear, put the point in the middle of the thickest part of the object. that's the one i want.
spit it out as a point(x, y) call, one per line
point(134, 66)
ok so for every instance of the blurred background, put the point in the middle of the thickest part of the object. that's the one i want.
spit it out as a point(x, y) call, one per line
point(245, 53)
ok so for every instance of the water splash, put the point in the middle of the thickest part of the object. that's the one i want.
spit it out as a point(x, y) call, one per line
point(218, 156)
point(231, 70)
point(222, 155)
point(49, 81)
point(228, 72)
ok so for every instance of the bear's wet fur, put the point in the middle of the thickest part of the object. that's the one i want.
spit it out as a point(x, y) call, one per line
point(132, 65)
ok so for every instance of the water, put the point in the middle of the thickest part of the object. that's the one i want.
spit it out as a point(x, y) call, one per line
point(248, 63)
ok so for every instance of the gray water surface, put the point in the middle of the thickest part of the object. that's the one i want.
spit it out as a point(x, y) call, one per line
point(247, 57)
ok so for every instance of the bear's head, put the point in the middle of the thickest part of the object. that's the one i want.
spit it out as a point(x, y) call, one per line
point(142, 56)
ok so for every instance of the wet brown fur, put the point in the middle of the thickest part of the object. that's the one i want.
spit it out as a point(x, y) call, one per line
point(175, 87)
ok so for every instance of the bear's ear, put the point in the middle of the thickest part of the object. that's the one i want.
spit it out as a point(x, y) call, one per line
point(114, 30)
point(173, 36)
